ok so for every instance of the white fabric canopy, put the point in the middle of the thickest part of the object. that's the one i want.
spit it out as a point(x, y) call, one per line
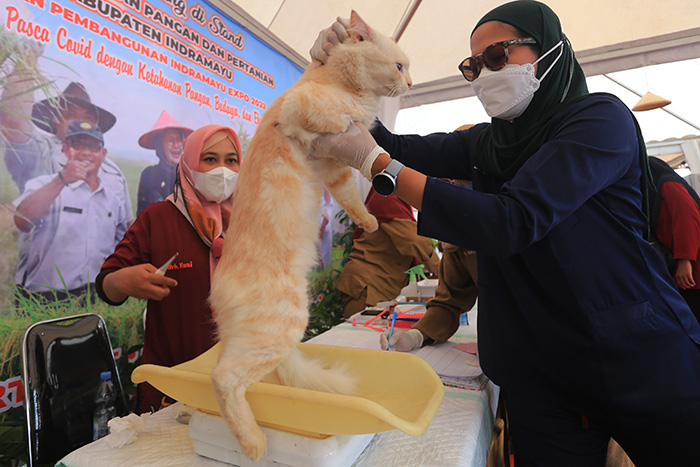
point(607, 35)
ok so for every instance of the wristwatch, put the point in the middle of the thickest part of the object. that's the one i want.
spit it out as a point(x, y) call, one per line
point(384, 182)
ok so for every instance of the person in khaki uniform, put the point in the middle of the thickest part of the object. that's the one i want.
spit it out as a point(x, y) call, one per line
point(456, 291)
point(375, 268)
point(455, 294)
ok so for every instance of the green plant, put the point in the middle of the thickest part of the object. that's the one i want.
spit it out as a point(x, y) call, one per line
point(326, 305)
point(344, 239)
point(18, 65)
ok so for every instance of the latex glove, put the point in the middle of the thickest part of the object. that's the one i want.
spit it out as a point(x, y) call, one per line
point(401, 341)
point(356, 148)
point(329, 38)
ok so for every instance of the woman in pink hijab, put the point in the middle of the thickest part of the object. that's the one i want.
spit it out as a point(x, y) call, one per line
point(192, 223)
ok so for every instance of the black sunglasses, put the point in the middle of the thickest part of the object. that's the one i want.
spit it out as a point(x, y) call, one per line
point(494, 57)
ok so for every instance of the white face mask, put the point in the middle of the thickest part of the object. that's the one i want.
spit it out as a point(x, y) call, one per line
point(216, 185)
point(506, 93)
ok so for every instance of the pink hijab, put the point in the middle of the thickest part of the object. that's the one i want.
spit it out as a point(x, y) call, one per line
point(209, 219)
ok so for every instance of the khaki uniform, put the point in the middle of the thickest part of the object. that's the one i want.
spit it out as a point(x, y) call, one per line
point(455, 294)
point(375, 268)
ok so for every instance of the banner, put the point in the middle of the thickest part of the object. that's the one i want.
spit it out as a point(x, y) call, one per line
point(139, 74)
point(144, 67)
point(136, 58)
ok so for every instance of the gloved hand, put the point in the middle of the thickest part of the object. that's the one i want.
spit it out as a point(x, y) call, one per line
point(356, 148)
point(329, 38)
point(401, 341)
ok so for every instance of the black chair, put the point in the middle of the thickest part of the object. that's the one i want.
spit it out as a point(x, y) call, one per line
point(61, 364)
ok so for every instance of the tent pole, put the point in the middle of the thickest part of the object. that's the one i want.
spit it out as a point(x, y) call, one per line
point(406, 19)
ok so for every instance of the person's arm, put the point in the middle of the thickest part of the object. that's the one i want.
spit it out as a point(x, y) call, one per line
point(436, 154)
point(441, 155)
point(403, 235)
point(685, 220)
point(37, 205)
point(139, 281)
point(409, 183)
point(590, 147)
point(684, 274)
point(438, 324)
point(128, 272)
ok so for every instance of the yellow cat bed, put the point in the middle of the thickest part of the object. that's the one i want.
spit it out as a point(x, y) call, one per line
point(395, 391)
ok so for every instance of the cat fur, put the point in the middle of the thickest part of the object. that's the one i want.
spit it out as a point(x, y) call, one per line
point(259, 290)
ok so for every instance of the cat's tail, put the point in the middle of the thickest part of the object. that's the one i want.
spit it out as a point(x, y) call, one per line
point(300, 371)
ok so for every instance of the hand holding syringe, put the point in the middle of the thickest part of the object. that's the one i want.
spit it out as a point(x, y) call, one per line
point(161, 270)
point(141, 281)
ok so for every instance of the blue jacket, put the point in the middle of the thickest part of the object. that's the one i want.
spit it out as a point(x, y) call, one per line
point(570, 293)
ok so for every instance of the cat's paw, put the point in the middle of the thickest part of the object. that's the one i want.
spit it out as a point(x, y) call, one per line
point(254, 445)
point(369, 223)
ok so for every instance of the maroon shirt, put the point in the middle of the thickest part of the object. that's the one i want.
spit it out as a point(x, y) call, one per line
point(678, 225)
point(180, 327)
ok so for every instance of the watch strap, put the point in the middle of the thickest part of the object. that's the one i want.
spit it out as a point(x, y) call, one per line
point(384, 182)
point(393, 168)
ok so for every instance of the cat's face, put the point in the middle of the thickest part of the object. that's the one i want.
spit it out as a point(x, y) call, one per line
point(369, 61)
point(389, 70)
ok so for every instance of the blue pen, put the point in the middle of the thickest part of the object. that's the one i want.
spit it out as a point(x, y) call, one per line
point(393, 322)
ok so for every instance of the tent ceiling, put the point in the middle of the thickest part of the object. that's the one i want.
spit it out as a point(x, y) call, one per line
point(607, 35)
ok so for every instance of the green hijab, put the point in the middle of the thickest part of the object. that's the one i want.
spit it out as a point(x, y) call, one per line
point(503, 147)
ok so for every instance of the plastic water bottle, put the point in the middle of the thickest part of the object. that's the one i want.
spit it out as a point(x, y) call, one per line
point(104, 406)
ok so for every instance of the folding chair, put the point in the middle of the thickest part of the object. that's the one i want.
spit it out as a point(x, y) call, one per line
point(61, 364)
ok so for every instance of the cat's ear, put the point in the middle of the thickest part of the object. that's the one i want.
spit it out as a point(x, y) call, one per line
point(359, 30)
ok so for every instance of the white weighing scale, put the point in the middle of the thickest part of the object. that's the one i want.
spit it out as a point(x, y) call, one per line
point(211, 438)
point(395, 390)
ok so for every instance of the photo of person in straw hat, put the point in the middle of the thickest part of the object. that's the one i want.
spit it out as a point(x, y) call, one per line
point(167, 138)
point(30, 153)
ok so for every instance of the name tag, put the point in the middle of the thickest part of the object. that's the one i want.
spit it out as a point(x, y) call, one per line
point(72, 210)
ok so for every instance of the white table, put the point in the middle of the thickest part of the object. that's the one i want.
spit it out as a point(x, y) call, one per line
point(459, 435)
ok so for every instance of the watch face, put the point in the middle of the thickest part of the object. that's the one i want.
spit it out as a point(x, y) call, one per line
point(383, 184)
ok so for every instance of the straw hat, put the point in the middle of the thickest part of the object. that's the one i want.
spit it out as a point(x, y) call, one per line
point(165, 122)
point(45, 112)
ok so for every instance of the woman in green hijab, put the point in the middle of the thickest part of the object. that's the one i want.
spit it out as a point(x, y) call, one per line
point(579, 322)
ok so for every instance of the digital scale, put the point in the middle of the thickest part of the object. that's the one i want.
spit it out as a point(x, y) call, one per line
point(211, 438)
point(395, 390)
